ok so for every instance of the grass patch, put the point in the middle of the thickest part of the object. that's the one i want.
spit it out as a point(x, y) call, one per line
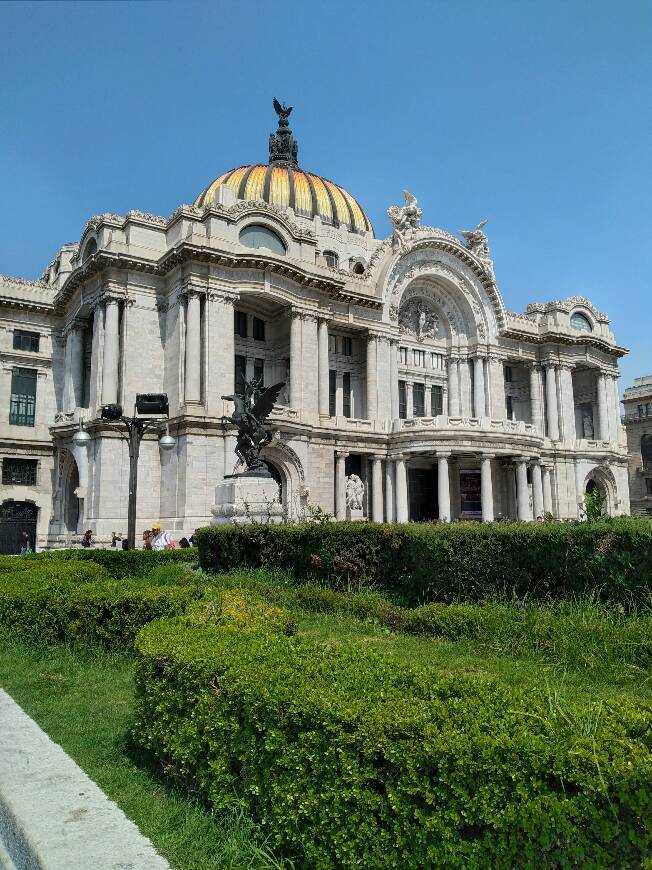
point(83, 699)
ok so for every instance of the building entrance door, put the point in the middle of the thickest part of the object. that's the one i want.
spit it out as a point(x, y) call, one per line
point(16, 517)
point(424, 505)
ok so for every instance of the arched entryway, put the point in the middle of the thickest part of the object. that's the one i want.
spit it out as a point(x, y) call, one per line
point(601, 479)
point(17, 517)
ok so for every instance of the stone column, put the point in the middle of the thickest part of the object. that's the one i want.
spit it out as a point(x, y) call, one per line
point(372, 377)
point(547, 490)
point(111, 352)
point(486, 488)
point(295, 361)
point(453, 387)
point(340, 484)
point(220, 380)
point(551, 402)
point(478, 387)
point(603, 418)
point(393, 377)
point(537, 490)
point(377, 489)
point(68, 404)
point(193, 348)
point(322, 365)
point(402, 511)
point(497, 405)
point(566, 400)
point(389, 492)
point(579, 488)
point(522, 494)
point(613, 398)
point(466, 396)
point(443, 488)
point(535, 397)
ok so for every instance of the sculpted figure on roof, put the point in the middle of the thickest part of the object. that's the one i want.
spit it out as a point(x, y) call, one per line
point(404, 218)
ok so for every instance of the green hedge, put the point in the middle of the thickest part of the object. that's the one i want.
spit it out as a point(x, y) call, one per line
point(118, 563)
point(110, 612)
point(347, 759)
point(27, 569)
point(611, 559)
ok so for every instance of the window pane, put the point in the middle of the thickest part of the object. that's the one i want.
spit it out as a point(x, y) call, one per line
point(240, 374)
point(259, 372)
point(418, 400)
point(24, 340)
point(19, 472)
point(437, 401)
point(332, 343)
point(257, 236)
point(259, 329)
point(23, 397)
point(346, 346)
point(332, 392)
point(402, 400)
point(240, 323)
point(346, 394)
point(508, 374)
point(509, 407)
point(331, 259)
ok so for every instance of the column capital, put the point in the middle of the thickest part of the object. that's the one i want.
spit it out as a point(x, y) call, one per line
point(218, 294)
point(565, 366)
point(550, 364)
point(377, 457)
point(341, 454)
point(398, 457)
point(487, 455)
point(444, 454)
point(521, 459)
point(74, 325)
point(297, 313)
point(534, 365)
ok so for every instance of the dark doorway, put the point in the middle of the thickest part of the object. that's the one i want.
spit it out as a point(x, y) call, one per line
point(276, 474)
point(424, 505)
point(17, 517)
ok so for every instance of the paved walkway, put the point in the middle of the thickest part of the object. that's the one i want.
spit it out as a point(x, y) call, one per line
point(52, 816)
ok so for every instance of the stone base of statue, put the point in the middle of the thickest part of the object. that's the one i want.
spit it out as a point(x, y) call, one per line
point(355, 515)
point(251, 497)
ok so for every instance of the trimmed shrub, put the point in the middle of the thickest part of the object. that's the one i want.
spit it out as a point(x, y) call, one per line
point(26, 570)
point(119, 563)
point(348, 759)
point(109, 612)
point(418, 564)
point(240, 609)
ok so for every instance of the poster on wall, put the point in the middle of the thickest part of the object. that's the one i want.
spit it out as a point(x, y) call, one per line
point(470, 498)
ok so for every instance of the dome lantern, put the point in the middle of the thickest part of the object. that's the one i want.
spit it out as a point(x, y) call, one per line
point(283, 147)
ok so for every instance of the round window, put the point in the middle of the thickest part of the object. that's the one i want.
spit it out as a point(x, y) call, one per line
point(580, 322)
point(257, 236)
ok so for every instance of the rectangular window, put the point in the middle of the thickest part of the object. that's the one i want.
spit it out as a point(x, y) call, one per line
point(402, 355)
point(346, 394)
point(641, 411)
point(419, 358)
point(259, 372)
point(332, 392)
point(509, 407)
point(332, 343)
point(402, 400)
point(240, 374)
point(419, 400)
point(240, 323)
point(508, 374)
point(436, 361)
point(259, 329)
point(648, 485)
point(23, 397)
point(24, 340)
point(436, 400)
point(19, 472)
point(346, 345)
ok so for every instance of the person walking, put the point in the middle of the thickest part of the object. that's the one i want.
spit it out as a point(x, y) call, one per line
point(162, 540)
point(25, 544)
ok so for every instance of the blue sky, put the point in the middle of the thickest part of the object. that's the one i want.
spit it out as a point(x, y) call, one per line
point(536, 115)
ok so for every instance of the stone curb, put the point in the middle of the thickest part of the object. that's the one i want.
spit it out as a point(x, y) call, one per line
point(52, 816)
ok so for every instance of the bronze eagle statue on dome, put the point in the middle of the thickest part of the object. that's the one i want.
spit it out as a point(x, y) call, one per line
point(282, 111)
point(252, 408)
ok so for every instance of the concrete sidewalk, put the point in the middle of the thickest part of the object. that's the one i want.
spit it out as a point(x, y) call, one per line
point(52, 816)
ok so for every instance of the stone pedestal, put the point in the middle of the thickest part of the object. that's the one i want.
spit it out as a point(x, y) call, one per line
point(246, 498)
point(355, 515)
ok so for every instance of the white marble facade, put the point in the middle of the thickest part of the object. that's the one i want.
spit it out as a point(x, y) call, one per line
point(403, 366)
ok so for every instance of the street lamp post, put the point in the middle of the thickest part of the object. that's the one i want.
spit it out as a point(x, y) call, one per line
point(137, 427)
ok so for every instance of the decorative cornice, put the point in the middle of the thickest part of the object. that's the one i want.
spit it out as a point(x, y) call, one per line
point(566, 305)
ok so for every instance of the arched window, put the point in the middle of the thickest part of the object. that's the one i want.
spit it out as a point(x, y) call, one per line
point(331, 259)
point(89, 250)
point(580, 322)
point(257, 236)
point(358, 269)
point(646, 452)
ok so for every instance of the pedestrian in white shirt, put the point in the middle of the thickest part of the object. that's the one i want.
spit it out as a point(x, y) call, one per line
point(162, 540)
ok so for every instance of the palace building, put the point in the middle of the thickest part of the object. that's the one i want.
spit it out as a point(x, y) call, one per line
point(402, 366)
point(637, 401)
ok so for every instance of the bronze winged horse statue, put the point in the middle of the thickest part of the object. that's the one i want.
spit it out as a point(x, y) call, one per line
point(251, 410)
